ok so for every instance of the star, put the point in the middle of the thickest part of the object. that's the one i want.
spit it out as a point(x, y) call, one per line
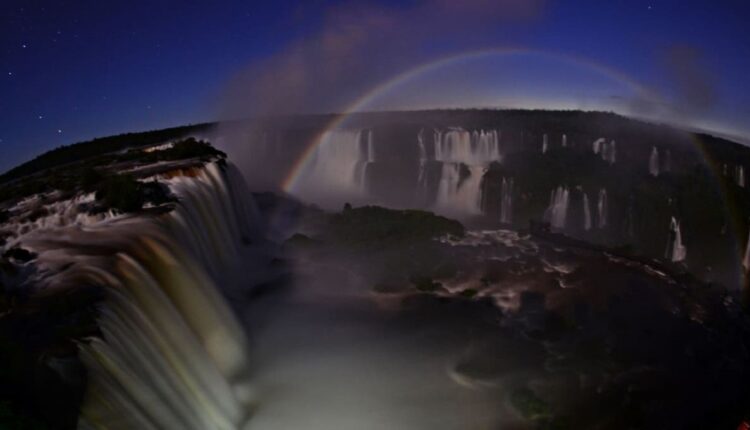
point(10, 73)
point(41, 116)
point(23, 46)
point(650, 7)
point(59, 131)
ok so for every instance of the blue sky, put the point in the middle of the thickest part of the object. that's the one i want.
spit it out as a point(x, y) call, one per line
point(75, 70)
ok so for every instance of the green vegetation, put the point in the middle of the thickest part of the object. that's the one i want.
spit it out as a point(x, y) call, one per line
point(373, 226)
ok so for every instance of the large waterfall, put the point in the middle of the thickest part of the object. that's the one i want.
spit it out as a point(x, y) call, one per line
point(740, 176)
point(653, 162)
point(597, 145)
point(506, 201)
point(465, 156)
point(170, 353)
point(459, 191)
point(557, 211)
point(422, 175)
point(608, 151)
point(478, 147)
point(676, 251)
point(340, 163)
point(586, 213)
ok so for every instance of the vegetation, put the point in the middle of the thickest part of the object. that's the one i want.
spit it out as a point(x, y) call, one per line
point(100, 146)
point(426, 285)
point(371, 226)
point(123, 193)
point(119, 192)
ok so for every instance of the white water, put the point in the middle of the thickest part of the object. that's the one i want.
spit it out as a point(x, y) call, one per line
point(457, 196)
point(597, 145)
point(422, 177)
point(740, 176)
point(557, 211)
point(545, 143)
point(601, 207)
point(171, 354)
point(506, 201)
point(339, 165)
point(475, 150)
point(609, 152)
point(586, 213)
point(564, 140)
point(653, 162)
point(478, 147)
point(676, 251)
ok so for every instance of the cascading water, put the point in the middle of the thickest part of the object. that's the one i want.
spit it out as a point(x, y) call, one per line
point(740, 176)
point(597, 145)
point(170, 353)
point(472, 148)
point(464, 156)
point(676, 251)
point(545, 143)
point(557, 212)
point(564, 140)
point(586, 213)
point(653, 162)
point(609, 152)
point(506, 201)
point(459, 191)
point(422, 176)
point(601, 208)
point(746, 257)
point(340, 163)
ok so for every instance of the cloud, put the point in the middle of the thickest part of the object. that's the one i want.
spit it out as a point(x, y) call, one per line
point(360, 44)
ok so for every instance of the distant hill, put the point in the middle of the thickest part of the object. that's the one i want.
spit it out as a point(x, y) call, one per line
point(99, 146)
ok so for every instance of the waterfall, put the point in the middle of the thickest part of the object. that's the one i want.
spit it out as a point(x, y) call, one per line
point(586, 213)
point(170, 354)
point(506, 202)
point(676, 251)
point(746, 258)
point(601, 207)
point(472, 148)
point(422, 177)
point(608, 151)
point(653, 162)
point(464, 156)
point(596, 147)
point(564, 140)
point(340, 163)
point(459, 191)
point(545, 143)
point(557, 211)
point(740, 176)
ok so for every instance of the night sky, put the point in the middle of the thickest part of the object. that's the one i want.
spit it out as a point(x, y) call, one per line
point(74, 70)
